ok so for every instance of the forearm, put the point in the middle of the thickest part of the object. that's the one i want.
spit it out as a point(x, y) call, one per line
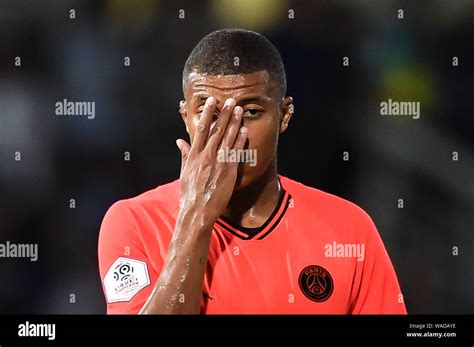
point(179, 287)
point(206, 188)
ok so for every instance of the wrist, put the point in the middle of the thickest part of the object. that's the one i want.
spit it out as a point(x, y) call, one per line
point(195, 219)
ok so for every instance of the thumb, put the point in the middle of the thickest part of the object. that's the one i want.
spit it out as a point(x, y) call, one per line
point(184, 148)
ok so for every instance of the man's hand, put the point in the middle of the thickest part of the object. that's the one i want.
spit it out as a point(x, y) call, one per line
point(207, 184)
point(206, 188)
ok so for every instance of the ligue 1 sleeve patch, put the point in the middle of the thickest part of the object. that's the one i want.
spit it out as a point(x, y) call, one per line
point(125, 278)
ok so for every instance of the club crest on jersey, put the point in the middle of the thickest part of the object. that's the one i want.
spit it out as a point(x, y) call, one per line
point(316, 283)
point(125, 278)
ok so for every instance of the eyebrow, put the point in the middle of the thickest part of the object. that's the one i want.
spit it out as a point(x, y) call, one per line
point(257, 99)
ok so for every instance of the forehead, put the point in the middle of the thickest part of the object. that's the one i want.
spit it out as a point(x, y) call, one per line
point(225, 86)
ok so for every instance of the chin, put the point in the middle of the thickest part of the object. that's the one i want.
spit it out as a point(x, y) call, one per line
point(245, 177)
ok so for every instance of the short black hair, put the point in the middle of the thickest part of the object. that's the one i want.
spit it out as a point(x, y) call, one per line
point(216, 54)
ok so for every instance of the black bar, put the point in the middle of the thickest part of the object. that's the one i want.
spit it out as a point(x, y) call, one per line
point(123, 330)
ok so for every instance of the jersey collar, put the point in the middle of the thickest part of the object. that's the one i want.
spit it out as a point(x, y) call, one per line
point(264, 230)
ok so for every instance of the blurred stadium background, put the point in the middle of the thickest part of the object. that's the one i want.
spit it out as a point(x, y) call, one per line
point(336, 110)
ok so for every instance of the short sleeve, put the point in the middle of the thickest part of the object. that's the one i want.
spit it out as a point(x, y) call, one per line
point(378, 291)
point(126, 273)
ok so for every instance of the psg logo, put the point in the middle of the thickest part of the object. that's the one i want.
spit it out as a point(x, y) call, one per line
point(316, 283)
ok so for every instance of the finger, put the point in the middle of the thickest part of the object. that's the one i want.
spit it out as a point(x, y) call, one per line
point(184, 148)
point(202, 128)
point(241, 138)
point(232, 129)
point(220, 127)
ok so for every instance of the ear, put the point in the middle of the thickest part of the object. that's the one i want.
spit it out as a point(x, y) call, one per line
point(287, 110)
point(183, 110)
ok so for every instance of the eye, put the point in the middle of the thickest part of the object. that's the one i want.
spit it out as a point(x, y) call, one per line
point(253, 112)
point(200, 109)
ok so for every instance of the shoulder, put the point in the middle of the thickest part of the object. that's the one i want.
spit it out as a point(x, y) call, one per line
point(164, 198)
point(332, 209)
point(321, 200)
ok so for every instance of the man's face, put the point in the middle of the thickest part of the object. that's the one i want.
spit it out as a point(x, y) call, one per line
point(265, 114)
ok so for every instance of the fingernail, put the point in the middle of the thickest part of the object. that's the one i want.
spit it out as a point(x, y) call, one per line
point(238, 111)
point(229, 102)
point(243, 130)
point(211, 101)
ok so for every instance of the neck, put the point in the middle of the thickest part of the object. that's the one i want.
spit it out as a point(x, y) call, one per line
point(251, 206)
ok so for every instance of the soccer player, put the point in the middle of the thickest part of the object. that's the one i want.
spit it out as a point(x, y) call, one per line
point(231, 235)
